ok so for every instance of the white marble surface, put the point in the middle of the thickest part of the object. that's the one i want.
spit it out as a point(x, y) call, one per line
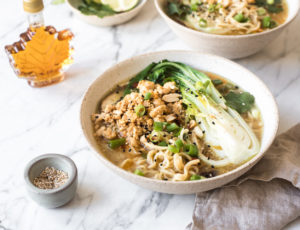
point(37, 121)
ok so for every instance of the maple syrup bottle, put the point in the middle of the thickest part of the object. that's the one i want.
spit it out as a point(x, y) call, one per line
point(42, 54)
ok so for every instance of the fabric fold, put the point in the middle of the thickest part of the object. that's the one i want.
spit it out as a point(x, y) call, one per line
point(266, 197)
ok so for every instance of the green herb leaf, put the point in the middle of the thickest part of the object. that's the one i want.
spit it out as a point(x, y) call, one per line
point(275, 8)
point(173, 8)
point(241, 102)
point(178, 9)
point(91, 8)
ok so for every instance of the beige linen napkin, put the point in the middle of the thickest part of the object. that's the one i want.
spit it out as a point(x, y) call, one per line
point(267, 197)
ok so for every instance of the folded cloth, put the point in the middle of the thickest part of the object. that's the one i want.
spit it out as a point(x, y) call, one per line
point(266, 197)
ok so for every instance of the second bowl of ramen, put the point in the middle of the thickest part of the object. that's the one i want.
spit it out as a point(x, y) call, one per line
point(233, 29)
point(179, 122)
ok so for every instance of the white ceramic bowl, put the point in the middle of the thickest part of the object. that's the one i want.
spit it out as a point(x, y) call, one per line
point(229, 46)
point(207, 62)
point(108, 20)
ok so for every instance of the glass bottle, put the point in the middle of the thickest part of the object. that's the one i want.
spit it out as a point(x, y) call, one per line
point(42, 54)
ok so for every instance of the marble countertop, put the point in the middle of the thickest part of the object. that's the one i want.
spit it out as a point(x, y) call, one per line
point(38, 121)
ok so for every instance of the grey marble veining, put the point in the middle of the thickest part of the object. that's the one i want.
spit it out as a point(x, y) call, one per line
point(37, 121)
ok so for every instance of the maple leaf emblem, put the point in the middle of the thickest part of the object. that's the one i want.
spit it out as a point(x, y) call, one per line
point(41, 53)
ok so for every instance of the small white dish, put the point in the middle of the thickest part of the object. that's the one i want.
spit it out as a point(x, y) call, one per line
point(205, 62)
point(112, 20)
point(229, 46)
point(51, 198)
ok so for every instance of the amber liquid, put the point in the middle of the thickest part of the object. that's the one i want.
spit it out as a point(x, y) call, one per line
point(41, 55)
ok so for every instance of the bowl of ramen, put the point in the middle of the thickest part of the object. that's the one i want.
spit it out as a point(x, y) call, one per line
point(179, 121)
point(230, 28)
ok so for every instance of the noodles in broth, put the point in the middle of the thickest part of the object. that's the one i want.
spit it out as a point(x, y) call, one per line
point(229, 17)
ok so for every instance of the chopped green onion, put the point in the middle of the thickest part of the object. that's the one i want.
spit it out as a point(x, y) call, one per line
point(179, 143)
point(261, 11)
point(240, 18)
point(202, 22)
point(140, 110)
point(191, 150)
point(195, 177)
point(217, 82)
point(173, 149)
point(147, 96)
point(270, 2)
point(172, 127)
point(266, 22)
point(138, 172)
point(177, 132)
point(158, 126)
point(163, 144)
point(116, 143)
point(212, 8)
point(194, 7)
point(155, 136)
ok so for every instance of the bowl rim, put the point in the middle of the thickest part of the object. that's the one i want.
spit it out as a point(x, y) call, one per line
point(58, 157)
point(250, 163)
point(222, 36)
point(135, 9)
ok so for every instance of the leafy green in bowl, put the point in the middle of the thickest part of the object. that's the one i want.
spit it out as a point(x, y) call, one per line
point(90, 7)
point(103, 8)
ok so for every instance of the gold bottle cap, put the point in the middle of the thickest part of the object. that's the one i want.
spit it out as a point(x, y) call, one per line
point(33, 6)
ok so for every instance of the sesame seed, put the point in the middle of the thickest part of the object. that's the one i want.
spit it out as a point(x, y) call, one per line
point(213, 123)
point(208, 146)
point(203, 131)
point(213, 166)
